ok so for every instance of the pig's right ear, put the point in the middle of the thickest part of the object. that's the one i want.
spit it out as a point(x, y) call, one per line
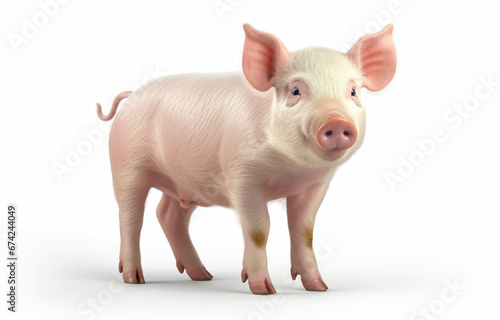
point(375, 56)
point(263, 56)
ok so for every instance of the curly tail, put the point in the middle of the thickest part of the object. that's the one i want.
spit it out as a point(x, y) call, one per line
point(112, 113)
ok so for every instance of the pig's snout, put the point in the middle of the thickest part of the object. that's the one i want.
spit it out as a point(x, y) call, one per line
point(337, 134)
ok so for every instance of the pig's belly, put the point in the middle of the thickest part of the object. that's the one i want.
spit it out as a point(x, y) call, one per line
point(210, 196)
point(204, 195)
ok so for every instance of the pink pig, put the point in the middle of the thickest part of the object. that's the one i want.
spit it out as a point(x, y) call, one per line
point(279, 130)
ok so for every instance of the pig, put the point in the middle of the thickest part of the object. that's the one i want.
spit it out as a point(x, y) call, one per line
point(280, 129)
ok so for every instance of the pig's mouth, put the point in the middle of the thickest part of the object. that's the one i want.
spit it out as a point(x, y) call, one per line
point(333, 154)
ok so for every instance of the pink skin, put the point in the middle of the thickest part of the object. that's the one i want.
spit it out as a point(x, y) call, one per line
point(216, 140)
point(174, 220)
point(114, 107)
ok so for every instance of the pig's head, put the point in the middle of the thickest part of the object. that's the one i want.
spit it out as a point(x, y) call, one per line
point(318, 116)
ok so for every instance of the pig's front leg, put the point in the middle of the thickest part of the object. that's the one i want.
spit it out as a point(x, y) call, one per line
point(255, 224)
point(301, 211)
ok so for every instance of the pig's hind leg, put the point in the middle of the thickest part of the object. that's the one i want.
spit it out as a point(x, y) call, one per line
point(174, 220)
point(131, 195)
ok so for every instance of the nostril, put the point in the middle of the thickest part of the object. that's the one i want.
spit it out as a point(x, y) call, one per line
point(336, 134)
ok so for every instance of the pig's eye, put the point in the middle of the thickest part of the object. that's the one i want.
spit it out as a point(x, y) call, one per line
point(353, 92)
point(296, 90)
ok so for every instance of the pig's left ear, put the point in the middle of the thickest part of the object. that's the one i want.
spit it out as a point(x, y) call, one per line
point(375, 56)
point(263, 56)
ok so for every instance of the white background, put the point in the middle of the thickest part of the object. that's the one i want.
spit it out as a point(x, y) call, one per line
point(386, 253)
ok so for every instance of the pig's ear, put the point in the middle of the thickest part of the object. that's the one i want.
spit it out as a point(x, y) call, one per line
point(263, 56)
point(375, 55)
